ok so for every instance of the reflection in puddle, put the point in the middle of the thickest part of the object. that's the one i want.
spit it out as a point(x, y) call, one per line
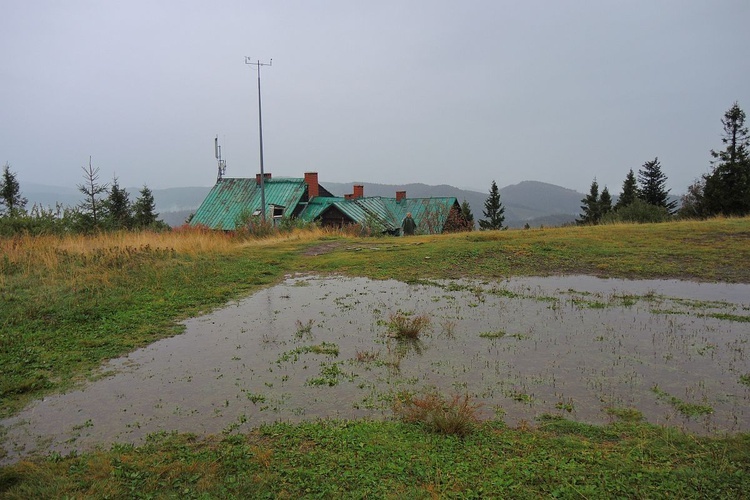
point(319, 347)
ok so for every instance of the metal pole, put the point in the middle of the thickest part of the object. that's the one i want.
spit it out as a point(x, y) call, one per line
point(260, 130)
point(262, 173)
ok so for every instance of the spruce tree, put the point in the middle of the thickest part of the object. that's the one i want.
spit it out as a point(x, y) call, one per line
point(605, 202)
point(629, 191)
point(590, 210)
point(10, 192)
point(466, 211)
point(144, 208)
point(493, 210)
point(118, 209)
point(727, 188)
point(652, 186)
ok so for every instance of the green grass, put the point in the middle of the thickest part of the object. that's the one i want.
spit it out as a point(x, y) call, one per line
point(397, 460)
point(65, 311)
point(685, 250)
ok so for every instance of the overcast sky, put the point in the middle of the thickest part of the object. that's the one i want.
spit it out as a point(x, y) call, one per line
point(393, 92)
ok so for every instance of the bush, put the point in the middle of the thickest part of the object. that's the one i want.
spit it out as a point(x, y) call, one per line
point(40, 221)
point(289, 224)
point(639, 211)
point(247, 224)
point(371, 226)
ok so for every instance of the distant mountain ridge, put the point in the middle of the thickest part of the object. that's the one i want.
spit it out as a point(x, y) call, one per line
point(528, 202)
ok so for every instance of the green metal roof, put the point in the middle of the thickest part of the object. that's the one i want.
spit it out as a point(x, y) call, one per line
point(317, 206)
point(230, 198)
point(430, 214)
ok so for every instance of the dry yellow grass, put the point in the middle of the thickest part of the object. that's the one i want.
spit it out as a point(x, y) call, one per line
point(46, 252)
point(298, 236)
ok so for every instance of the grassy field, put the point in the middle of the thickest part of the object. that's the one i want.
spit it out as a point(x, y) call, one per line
point(70, 303)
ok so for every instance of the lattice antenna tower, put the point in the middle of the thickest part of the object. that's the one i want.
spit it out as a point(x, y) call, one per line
point(222, 164)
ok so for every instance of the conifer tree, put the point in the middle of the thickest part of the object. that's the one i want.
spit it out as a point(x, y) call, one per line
point(117, 206)
point(466, 211)
point(91, 208)
point(727, 188)
point(629, 191)
point(605, 202)
point(144, 209)
point(652, 186)
point(10, 192)
point(493, 210)
point(590, 211)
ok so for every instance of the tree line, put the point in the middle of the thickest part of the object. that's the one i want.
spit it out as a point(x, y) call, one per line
point(725, 190)
point(104, 207)
point(645, 199)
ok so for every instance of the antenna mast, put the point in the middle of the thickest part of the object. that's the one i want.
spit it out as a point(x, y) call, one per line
point(258, 64)
point(222, 163)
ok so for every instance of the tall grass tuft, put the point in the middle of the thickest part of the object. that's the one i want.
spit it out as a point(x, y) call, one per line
point(457, 416)
point(404, 325)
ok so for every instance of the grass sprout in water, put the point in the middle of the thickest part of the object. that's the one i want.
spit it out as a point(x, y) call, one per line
point(493, 335)
point(686, 409)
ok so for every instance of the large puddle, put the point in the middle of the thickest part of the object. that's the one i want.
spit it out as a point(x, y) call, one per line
point(319, 347)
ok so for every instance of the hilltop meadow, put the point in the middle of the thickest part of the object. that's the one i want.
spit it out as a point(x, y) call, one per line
point(70, 303)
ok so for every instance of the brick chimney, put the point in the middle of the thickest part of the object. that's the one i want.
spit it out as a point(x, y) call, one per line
point(313, 188)
point(266, 176)
point(400, 195)
point(359, 191)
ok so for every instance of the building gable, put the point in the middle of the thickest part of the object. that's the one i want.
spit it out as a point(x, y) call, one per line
point(233, 198)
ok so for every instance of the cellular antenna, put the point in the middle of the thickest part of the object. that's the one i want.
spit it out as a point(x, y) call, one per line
point(258, 65)
point(221, 163)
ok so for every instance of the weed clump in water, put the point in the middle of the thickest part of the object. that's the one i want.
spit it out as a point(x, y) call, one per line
point(366, 356)
point(404, 325)
point(304, 329)
point(493, 335)
point(455, 416)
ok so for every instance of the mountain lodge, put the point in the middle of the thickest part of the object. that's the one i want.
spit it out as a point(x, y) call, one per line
point(232, 199)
